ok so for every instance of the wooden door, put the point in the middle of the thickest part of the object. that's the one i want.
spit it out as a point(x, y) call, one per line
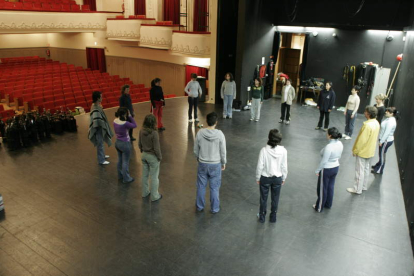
point(289, 64)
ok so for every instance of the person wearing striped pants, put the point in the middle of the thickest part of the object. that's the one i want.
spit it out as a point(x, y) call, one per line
point(328, 169)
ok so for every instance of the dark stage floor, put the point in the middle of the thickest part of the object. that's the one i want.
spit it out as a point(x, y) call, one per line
point(66, 215)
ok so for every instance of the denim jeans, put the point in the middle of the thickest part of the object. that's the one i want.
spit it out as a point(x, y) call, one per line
point(228, 105)
point(124, 154)
point(205, 173)
point(274, 184)
point(349, 122)
point(100, 146)
point(150, 169)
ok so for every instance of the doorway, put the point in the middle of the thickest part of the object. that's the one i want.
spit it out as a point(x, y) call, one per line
point(96, 59)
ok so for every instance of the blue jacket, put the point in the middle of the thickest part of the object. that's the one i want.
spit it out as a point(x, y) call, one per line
point(326, 100)
point(125, 101)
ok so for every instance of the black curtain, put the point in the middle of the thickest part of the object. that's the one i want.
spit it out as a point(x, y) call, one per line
point(304, 59)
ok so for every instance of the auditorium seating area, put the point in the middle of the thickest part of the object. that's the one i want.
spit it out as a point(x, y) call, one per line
point(38, 83)
point(44, 5)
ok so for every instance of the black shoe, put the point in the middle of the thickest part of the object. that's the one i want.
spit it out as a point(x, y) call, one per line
point(161, 129)
point(272, 218)
point(372, 167)
point(147, 195)
point(127, 182)
point(157, 199)
point(133, 139)
point(262, 217)
point(199, 210)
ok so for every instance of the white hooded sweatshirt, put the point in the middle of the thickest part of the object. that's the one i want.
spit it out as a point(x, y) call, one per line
point(272, 162)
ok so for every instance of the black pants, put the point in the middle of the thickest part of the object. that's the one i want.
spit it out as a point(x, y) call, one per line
point(273, 184)
point(192, 102)
point(322, 114)
point(130, 130)
point(285, 110)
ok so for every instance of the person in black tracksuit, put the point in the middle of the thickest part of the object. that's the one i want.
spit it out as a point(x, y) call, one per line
point(125, 101)
point(326, 102)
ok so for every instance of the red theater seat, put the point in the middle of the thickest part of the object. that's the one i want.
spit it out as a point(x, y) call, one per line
point(74, 7)
point(18, 5)
point(85, 8)
point(28, 6)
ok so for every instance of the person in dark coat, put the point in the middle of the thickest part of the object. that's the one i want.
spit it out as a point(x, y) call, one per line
point(157, 101)
point(326, 102)
point(125, 101)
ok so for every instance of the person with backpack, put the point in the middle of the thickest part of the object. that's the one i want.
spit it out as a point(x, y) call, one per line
point(194, 91)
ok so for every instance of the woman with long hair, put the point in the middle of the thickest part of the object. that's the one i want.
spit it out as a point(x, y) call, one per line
point(328, 169)
point(125, 101)
point(379, 99)
point(149, 144)
point(157, 101)
point(256, 100)
point(228, 94)
point(386, 137)
point(122, 124)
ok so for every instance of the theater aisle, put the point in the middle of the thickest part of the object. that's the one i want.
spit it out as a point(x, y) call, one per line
point(66, 215)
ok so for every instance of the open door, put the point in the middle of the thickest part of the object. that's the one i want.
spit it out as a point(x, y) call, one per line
point(289, 61)
point(96, 59)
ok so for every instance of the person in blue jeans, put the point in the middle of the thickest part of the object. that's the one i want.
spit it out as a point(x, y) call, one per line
point(123, 123)
point(328, 169)
point(210, 150)
point(271, 173)
point(228, 94)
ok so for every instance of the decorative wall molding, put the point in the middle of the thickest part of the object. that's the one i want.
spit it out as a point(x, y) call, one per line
point(28, 22)
point(125, 29)
point(189, 44)
point(158, 37)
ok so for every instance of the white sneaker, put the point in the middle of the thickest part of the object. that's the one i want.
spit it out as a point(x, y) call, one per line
point(256, 120)
point(197, 120)
point(348, 137)
point(224, 117)
point(251, 119)
point(230, 117)
point(105, 163)
point(190, 121)
point(287, 122)
point(352, 191)
point(281, 121)
point(106, 156)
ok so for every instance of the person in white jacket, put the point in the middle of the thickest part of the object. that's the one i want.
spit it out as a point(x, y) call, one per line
point(194, 91)
point(288, 95)
point(386, 137)
point(271, 174)
point(328, 169)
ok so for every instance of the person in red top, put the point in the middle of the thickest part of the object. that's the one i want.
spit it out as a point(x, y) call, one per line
point(157, 101)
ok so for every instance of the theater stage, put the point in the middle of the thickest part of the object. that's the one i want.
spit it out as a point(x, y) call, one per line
point(66, 215)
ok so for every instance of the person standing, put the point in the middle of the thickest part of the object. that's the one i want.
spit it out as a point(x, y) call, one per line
point(149, 144)
point(288, 95)
point(271, 173)
point(326, 102)
point(210, 150)
point(157, 101)
point(122, 124)
point(351, 111)
point(194, 91)
point(364, 150)
point(379, 99)
point(256, 100)
point(386, 137)
point(228, 94)
point(328, 169)
point(125, 101)
point(99, 129)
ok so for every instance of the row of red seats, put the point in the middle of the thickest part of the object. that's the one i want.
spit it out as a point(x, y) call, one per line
point(43, 7)
point(71, 2)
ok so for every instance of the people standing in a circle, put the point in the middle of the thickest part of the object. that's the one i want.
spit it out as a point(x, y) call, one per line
point(379, 99)
point(288, 95)
point(326, 102)
point(351, 111)
point(157, 101)
point(125, 101)
point(228, 94)
point(386, 137)
point(256, 100)
point(328, 169)
point(193, 90)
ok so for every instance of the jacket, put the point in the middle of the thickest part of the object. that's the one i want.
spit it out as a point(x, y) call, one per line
point(290, 95)
point(228, 88)
point(125, 101)
point(272, 162)
point(99, 122)
point(122, 127)
point(210, 146)
point(257, 93)
point(156, 95)
point(330, 155)
point(326, 100)
point(149, 142)
point(388, 127)
point(366, 141)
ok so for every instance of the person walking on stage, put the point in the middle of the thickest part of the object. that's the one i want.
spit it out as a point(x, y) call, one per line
point(364, 150)
point(194, 91)
point(351, 111)
point(99, 129)
point(149, 144)
point(288, 95)
point(228, 94)
point(271, 173)
point(157, 101)
point(256, 100)
point(386, 137)
point(125, 101)
point(122, 124)
point(326, 102)
point(210, 150)
point(328, 169)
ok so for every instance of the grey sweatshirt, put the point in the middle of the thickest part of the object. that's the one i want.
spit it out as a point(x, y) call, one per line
point(193, 89)
point(210, 146)
point(228, 88)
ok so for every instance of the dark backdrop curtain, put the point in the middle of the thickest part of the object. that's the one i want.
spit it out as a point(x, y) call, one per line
point(304, 59)
point(139, 7)
point(172, 11)
point(194, 69)
point(91, 3)
point(200, 15)
point(96, 59)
